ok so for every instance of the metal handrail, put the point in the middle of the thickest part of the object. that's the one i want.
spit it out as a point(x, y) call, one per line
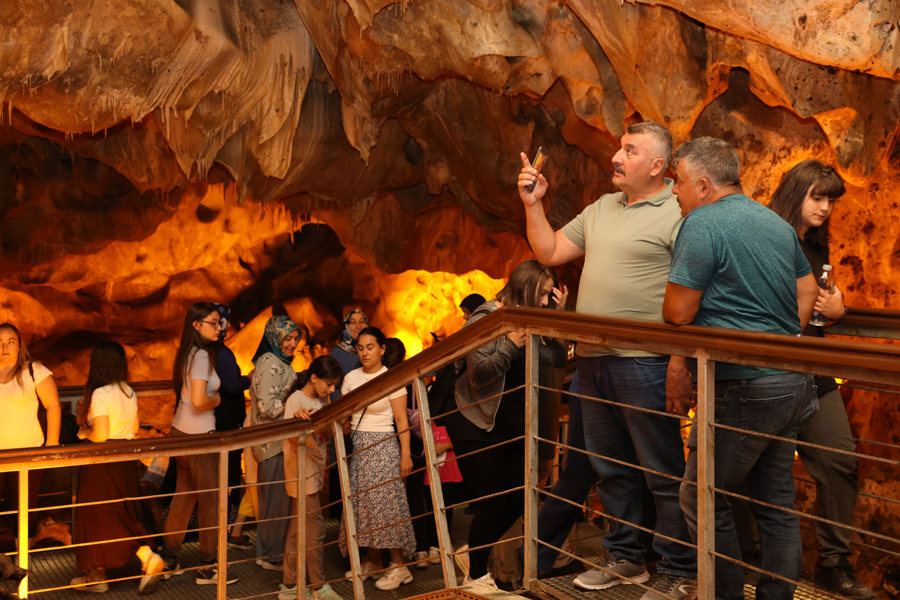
point(846, 359)
point(866, 361)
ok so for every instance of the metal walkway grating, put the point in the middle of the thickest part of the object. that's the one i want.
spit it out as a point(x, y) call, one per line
point(54, 568)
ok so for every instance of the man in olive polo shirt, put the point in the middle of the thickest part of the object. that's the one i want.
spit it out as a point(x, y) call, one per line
point(627, 240)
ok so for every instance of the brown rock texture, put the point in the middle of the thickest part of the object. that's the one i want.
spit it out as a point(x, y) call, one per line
point(316, 155)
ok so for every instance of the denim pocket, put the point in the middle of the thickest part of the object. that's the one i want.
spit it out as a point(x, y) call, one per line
point(767, 413)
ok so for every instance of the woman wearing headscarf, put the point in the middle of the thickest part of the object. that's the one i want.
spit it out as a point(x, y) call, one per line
point(345, 351)
point(271, 382)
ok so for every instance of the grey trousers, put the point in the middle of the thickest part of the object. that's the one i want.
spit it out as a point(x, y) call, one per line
point(274, 503)
point(835, 475)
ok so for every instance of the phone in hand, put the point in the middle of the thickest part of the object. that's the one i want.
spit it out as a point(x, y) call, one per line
point(538, 163)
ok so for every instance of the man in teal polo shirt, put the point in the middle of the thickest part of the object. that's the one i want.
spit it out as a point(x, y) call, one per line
point(739, 265)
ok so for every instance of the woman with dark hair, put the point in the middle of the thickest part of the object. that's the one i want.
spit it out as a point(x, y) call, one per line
point(109, 411)
point(805, 198)
point(489, 415)
point(313, 389)
point(197, 391)
point(272, 380)
point(24, 385)
point(381, 510)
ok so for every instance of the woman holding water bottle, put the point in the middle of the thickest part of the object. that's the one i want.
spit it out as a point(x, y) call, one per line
point(805, 198)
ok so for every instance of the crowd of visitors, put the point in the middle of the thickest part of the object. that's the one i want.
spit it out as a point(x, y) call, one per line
point(690, 250)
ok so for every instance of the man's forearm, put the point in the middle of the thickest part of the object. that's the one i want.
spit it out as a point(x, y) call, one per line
point(540, 234)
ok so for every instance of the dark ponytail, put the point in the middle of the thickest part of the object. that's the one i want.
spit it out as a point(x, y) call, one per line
point(323, 367)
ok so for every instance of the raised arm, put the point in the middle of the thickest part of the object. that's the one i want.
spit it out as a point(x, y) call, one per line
point(550, 247)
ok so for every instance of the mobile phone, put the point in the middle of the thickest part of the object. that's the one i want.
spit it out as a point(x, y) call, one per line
point(539, 159)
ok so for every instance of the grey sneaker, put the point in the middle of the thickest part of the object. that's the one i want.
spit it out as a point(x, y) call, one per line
point(672, 587)
point(619, 572)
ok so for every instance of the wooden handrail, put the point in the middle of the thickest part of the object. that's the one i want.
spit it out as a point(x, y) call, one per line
point(864, 361)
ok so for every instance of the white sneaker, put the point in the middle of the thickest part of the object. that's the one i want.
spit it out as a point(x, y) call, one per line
point(326, 592)
point(434, 555)
point(395, 576)
point(485, 581)
point(269, 566)
point(289, 592)
point(152, 569)
point(366, 570)
point(421, 560)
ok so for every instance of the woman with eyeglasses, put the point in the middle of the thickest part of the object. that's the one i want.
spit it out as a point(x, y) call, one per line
point(24, 385)
point(272, 380)
point(197, 391)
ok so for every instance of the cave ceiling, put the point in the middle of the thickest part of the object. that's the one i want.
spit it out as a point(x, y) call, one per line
point(153, 152)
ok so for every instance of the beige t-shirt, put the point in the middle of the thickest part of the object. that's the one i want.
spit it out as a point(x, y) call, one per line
point(316, 447)
point(628, 250)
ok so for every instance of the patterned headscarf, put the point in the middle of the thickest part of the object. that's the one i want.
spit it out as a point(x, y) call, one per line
point(278, 327)
point(347, 342)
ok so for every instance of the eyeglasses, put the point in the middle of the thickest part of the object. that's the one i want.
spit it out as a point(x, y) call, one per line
point(220, 324)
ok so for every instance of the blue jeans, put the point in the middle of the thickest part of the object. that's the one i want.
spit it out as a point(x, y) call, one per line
point(651, 441)
point(556, 518)
point(775, 405)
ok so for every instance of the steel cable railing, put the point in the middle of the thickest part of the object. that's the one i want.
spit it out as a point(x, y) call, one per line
point(869, 363)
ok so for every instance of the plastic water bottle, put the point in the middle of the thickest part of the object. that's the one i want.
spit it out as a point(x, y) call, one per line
point(826, 282)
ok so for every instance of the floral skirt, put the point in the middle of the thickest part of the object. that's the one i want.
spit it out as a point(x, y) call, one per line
point(385, 505)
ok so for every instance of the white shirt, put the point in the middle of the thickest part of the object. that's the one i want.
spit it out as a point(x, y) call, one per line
point(19, 427)
point(378, 416)
point(119, 403)
point(188, 418)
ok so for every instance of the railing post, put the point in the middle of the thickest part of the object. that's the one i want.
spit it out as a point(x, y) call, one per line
point(437, 491)
point(349, 515)
point(706, 509)
point(532, 370)
point(222, 532)
point(300, 523)
point(23, 529)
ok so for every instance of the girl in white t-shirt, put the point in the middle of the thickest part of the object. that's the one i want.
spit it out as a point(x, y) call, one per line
point(109, 411)
point(197, 385)
point(382, 512)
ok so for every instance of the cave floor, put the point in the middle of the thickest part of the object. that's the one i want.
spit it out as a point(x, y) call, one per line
point(52, 569)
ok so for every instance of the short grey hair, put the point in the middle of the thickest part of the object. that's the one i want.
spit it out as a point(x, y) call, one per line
point(659, 133)
point(715, 159)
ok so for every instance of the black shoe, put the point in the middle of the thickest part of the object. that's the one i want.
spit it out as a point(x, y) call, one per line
point(842, 581)
point(209, 575)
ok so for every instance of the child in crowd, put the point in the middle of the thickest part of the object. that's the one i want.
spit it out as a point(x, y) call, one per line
point(312, 393)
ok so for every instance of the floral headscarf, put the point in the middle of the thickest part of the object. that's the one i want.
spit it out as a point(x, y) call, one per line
point(278, 327)
point(347, 342)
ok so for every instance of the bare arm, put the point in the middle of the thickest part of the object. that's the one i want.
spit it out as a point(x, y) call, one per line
point(49, 395)
point(398, 407)
point(679, 308)
point(99, 432)
point(199, 398)
point(807, 294)
point(681, 304)
point(550, 247)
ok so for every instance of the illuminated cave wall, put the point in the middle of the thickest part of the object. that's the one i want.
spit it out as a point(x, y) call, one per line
point(320, 154)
